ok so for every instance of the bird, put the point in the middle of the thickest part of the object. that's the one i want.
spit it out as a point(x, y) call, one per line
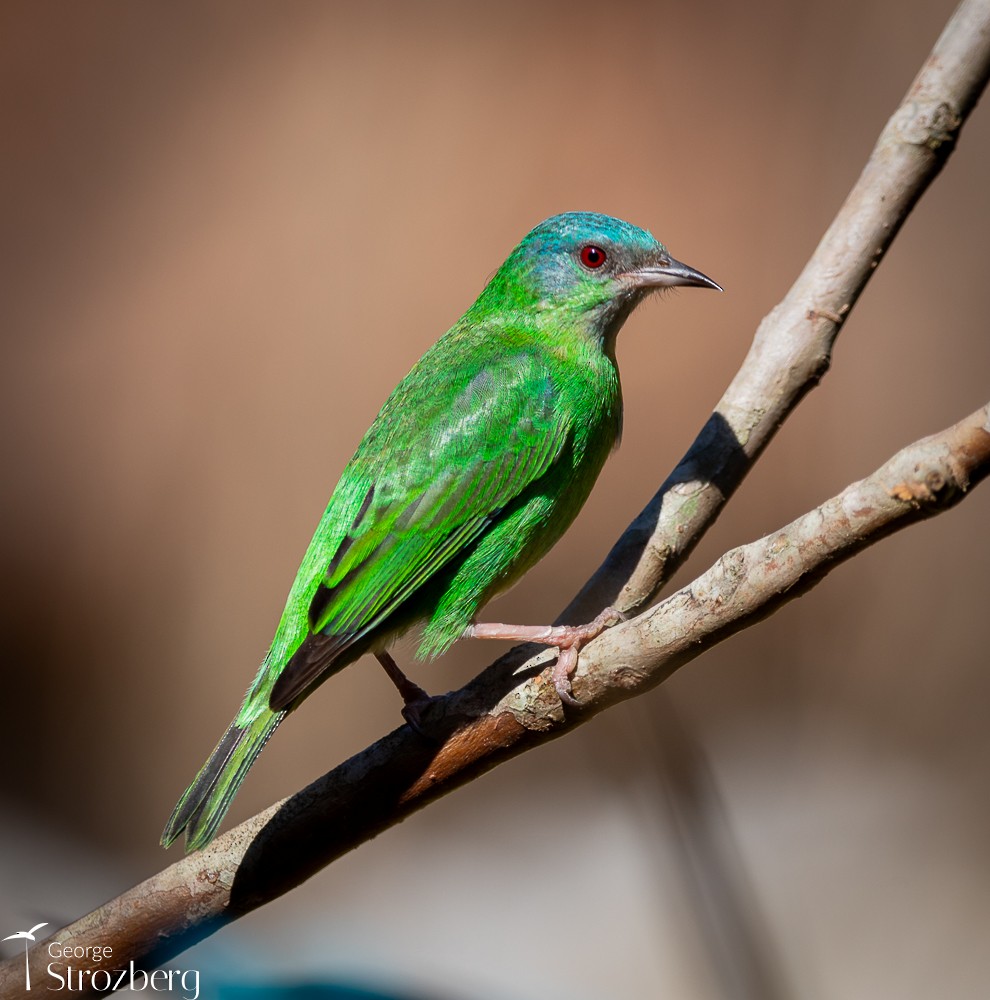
point(476, 464)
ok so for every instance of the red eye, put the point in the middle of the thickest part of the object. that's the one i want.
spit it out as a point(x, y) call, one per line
point(592, 257)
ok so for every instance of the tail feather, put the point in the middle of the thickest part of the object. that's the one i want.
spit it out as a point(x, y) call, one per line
point(205, 802)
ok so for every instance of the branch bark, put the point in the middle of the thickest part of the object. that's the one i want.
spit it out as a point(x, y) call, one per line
point(510, 708)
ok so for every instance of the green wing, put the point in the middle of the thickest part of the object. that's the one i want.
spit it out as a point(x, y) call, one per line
point(449, 451)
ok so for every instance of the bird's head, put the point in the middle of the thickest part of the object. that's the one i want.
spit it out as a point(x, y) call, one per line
point(589, 269)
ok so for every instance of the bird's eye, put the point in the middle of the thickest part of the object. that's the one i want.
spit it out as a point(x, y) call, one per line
point(592, 257)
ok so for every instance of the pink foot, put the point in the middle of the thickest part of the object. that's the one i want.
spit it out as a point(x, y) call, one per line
point(567, 638)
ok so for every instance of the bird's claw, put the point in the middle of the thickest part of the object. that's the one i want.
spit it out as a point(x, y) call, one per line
point(412, 712)
point(567, 638)
point(567, 658)
point(573, 637)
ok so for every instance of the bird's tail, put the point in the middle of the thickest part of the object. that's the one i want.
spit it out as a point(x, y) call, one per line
point(205, 802)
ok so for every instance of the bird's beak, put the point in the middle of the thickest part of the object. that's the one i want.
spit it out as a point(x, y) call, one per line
point(666, 273)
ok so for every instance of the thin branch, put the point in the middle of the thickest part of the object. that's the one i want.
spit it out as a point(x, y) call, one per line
point(792, 349)
point(696, 824)
point(507, 709)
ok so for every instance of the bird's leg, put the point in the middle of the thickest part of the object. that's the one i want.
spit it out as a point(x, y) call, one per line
point(414, 698)
point(567, 638)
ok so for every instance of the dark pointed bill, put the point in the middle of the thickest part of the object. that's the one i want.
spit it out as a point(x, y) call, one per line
point(668, 273)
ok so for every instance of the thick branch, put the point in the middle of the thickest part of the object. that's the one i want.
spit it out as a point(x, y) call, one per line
point(501, 714)
point(497, 717)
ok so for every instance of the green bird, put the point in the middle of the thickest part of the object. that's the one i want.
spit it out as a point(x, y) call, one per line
point(475, 466)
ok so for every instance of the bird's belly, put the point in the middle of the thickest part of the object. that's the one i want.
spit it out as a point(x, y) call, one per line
point(516, 540)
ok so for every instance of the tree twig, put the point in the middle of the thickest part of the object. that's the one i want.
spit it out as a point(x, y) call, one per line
point(792, 349)
point(507, 710)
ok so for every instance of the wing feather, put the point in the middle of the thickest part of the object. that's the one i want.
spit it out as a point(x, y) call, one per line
point(463, 463)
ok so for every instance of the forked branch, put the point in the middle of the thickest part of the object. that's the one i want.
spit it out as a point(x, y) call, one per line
point(510, 707)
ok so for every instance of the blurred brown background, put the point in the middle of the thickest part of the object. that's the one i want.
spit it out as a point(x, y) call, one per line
point(230, 228)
